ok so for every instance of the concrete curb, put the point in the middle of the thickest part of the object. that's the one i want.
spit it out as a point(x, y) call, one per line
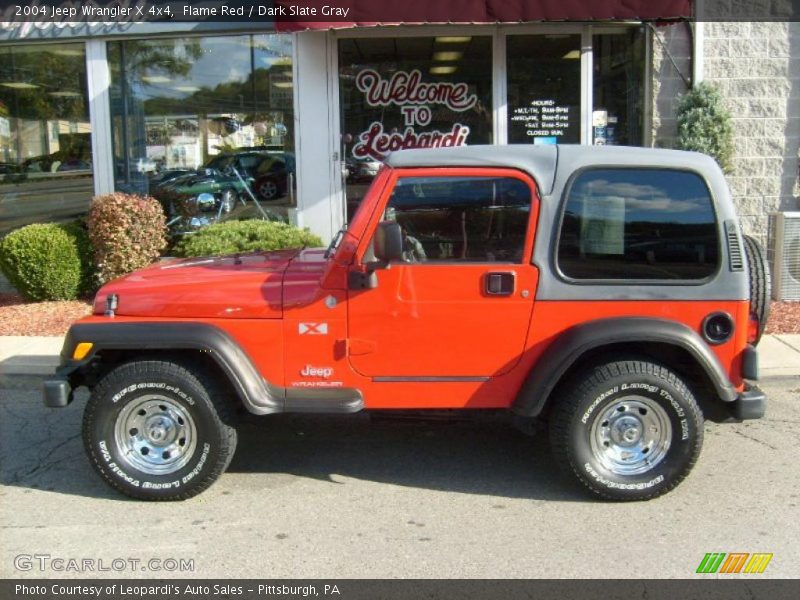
point(23, 355)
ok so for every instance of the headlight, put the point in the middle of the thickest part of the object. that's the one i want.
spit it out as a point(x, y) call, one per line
point(205, 202)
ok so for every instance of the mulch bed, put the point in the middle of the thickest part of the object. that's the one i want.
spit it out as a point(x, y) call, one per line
point(784, 318)
point(18, 317)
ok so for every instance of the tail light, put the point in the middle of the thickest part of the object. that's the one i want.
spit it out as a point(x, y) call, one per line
point(752, 329)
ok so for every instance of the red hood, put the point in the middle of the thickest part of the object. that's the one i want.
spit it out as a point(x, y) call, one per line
point(248, 286)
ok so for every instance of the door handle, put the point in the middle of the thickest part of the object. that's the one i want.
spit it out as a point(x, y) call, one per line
point(500, 284)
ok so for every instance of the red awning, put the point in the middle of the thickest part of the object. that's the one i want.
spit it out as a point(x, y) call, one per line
point(371, 13)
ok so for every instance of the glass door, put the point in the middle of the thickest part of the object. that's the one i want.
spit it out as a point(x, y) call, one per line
point(544, 88)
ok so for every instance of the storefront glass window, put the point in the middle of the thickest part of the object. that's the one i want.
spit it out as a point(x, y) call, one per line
point(45, 145)
point(619, 69)
point(412, 92)
point(544, 88)
point(211, 115)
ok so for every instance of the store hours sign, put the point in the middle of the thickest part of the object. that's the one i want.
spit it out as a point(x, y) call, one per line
point(416, 100)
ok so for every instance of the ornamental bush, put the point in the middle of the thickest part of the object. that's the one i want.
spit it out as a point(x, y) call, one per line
point(48, 261)
point(230, 237)
point(127, 232)
point(704, 125)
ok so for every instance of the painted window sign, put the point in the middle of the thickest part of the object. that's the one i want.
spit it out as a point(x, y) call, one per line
point(414, 97)
point(405, 89)
point(410, 92)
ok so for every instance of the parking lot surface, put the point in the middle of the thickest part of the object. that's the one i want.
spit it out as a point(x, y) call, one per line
point(352, 497)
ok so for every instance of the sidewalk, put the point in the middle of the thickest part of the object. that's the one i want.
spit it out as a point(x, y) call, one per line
point(779, 355)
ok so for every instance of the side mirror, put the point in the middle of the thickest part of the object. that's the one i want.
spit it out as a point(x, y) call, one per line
point(388, 244)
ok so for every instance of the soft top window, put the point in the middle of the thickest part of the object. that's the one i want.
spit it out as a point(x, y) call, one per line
point(640, 224)
point(470, 219)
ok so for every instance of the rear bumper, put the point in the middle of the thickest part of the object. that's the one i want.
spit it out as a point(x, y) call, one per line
point(751, 404)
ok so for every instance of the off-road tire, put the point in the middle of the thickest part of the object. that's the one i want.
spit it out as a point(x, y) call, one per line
point(578, 417)
point(189, 392)
point(760, 282)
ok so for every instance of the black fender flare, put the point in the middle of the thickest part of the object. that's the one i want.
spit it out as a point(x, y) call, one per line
point(576, 341)
point(258, 395)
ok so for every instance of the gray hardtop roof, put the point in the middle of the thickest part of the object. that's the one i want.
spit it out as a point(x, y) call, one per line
point(540, 161)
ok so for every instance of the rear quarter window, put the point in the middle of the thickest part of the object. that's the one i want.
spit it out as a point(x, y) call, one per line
point(638, 224)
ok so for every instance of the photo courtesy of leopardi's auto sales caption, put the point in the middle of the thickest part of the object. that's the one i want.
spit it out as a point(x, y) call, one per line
point(172, 590)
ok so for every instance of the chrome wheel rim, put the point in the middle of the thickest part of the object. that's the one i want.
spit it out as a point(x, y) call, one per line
point(155, 435)
point(631, 435)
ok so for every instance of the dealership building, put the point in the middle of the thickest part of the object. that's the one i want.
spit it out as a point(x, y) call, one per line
point(89, 108)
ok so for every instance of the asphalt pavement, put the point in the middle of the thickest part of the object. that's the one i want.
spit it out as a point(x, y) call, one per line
point(352, 497)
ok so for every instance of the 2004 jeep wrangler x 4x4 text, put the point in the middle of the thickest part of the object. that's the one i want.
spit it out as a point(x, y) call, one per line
point(607, 292)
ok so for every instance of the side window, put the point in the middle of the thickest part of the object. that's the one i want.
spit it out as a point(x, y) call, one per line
point(466, 219)
point(641, 224)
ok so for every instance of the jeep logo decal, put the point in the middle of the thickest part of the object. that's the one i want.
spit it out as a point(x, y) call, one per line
point(311, 371)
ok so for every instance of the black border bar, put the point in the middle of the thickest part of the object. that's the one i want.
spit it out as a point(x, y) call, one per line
point(750, 587)
point(345, 13)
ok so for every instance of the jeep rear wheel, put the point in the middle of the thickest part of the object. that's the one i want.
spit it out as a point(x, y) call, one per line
point(631, 431)
point(158, 430)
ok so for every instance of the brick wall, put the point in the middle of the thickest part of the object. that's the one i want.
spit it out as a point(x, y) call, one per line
point(672, 71)
point(756, 66)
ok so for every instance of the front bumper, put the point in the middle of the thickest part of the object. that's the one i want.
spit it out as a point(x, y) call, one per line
point(751, 404)
point(57, 392)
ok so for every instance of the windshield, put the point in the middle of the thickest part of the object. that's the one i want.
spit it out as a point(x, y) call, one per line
point(219, 162)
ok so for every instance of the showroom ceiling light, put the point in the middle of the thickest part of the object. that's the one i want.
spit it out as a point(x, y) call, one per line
point(443, 70)
point(68, 51)
point(19, 85)
point(282, 84)
point(572, 55)
point(186, 88)
point(155, 79)
point(277, 61)
point(453, 39)
point(447, 56)
point(65, 94)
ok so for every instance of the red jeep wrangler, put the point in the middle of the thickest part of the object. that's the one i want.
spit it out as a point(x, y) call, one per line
point(605, 291)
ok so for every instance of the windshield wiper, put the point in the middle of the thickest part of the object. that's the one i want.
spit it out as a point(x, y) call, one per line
point(334, 242)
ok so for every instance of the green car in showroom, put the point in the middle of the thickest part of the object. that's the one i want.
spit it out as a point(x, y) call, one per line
point(226, 179)
point(193, 199)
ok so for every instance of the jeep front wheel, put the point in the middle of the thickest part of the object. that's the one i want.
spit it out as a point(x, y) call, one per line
point(157, 430)
point(631, 430)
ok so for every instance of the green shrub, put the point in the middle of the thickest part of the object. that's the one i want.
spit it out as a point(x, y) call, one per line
point(245, 236)
point(704, 125)
point(127, 232)
point(47, 261)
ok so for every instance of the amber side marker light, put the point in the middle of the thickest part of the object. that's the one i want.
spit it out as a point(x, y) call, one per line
point(81, 350)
